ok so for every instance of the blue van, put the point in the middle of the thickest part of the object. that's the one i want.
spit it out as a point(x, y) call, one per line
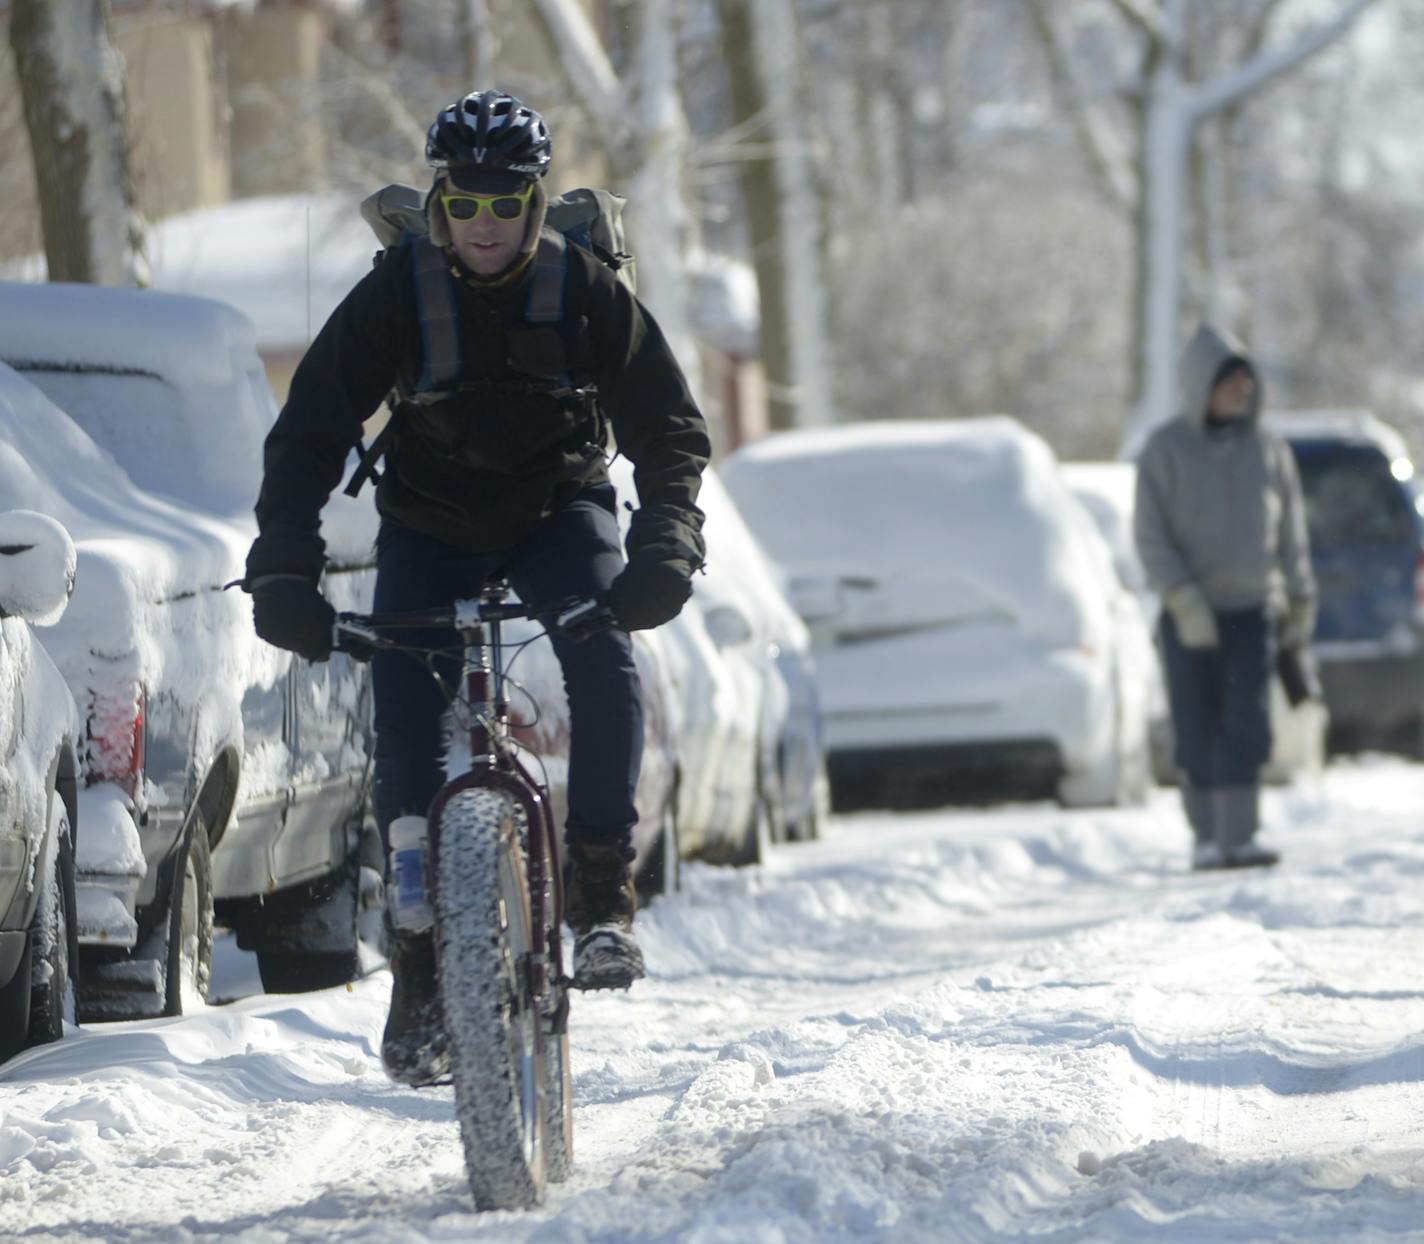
point(1367, 544)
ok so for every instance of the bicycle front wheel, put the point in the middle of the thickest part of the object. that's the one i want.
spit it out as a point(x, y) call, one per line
point(483, 935)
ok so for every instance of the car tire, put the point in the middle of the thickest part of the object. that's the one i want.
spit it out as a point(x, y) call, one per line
point(662, 874)
point(294, 969)
point(754, 846)
point(188, 923)
point(54, 938)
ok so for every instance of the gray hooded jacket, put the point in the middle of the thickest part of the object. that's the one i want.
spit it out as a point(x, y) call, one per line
point(1221, 510)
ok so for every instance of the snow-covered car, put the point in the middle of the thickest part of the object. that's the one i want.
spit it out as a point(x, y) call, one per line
point(714, 720)
point(965, 617)
point(732, 705)
point(1107, 491)
point(40, 728)
point(746, 612)
point(223, 777)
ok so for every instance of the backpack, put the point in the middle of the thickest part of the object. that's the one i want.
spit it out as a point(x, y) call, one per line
point(587, 218)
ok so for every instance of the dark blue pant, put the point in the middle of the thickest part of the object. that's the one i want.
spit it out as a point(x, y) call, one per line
point(575, 553)
point(1220, 699)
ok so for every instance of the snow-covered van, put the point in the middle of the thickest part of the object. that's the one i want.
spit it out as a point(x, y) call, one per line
point(222, 775)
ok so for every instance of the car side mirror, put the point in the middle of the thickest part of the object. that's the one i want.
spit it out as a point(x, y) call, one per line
point(726, 626)
point(37, 561)
point(817, 597)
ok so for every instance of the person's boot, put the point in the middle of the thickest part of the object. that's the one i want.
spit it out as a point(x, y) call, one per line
point(1198, 804)
point(599, 902)
point(414, 1050)
point(1237, 814)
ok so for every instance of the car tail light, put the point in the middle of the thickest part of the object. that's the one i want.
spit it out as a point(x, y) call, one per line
point(117, 724)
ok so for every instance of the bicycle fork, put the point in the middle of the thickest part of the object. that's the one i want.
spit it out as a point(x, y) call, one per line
point(494, 765)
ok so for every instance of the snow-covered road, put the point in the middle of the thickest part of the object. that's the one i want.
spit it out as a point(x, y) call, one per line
point(1006, 1024)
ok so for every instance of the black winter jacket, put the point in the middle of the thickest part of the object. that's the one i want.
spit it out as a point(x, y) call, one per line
point(485, 467)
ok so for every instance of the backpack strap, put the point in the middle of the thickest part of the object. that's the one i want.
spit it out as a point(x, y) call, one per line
point(546, 289)
point(370, 456)
point(439, 321)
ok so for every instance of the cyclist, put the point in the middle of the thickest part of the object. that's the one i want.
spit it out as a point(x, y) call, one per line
point(499, 472)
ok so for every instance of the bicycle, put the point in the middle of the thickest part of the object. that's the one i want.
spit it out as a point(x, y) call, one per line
point(497, 896)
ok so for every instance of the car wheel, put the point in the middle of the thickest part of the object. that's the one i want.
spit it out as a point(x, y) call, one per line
point(54, 941)
point(188, 954)
point(662, 874)
point(310, 938)
point(754, 846)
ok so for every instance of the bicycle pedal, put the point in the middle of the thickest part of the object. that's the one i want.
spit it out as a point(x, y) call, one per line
point(595, 986)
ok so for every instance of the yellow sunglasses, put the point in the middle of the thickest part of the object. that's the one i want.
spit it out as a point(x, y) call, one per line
point(500, 206)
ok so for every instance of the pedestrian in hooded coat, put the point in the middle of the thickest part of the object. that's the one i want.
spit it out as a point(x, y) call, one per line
point(1220, 528)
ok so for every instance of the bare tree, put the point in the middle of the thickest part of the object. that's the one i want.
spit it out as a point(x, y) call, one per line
point(72, 82)
point(1168, 107)
point(644, 133)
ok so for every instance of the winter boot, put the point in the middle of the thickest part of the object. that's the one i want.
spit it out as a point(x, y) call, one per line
point(1198, 804)
point(413, 1047)
point(599, 902)
point(1236, 810)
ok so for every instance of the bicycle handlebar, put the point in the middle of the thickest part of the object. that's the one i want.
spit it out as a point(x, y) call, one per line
point(576, 618)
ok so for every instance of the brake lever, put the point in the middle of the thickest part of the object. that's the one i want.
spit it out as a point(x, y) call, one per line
point(579, 619)
point(356, 640)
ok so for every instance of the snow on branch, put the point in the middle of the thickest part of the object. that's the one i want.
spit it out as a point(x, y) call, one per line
point(1213, 96)
point(585, 63)
point(1113, 171)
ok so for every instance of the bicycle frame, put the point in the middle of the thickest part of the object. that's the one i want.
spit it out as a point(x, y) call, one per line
point(495, 764)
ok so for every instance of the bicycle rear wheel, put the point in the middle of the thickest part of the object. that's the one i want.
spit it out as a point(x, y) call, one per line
point(483, 934)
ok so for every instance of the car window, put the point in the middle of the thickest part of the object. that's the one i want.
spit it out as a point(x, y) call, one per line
point(1351, 499)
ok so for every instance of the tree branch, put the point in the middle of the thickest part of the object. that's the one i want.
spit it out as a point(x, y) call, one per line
point(586, 65)
point(1148, 20)
point(1226, 90)
point(1113, 174)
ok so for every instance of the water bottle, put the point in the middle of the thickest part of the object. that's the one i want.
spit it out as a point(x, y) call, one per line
point(409, 899)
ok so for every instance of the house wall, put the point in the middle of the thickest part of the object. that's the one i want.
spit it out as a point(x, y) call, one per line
point(177, 112)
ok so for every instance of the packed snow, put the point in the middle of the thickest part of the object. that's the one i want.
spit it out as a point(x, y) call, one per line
point(973, 1024)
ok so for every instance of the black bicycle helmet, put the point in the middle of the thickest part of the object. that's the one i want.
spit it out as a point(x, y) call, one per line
point(489, 137)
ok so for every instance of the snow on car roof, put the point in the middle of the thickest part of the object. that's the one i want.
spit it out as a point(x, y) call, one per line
point(967, 514)
point(172, 385)
point(1360, 426)
point(136, 552)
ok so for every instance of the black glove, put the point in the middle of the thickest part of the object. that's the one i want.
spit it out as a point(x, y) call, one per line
point(647, 593)
point(289, 612)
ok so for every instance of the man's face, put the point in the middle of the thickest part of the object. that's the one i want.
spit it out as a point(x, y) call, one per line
point(488, 240)
point(1234, 396)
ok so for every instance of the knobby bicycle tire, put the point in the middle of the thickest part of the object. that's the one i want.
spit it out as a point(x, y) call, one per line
point(558, 1076)
point(498, 1059)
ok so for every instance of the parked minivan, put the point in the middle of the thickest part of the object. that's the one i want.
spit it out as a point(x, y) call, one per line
point(1362, 502)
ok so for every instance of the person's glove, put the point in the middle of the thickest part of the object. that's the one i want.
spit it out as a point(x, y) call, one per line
point(1196, 623)
point(1298, 625)
point(289, 611)
point(647, 593)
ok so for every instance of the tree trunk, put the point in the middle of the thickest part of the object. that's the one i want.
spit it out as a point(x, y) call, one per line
point(71, 82)
point(757, 174)
point(759, 45)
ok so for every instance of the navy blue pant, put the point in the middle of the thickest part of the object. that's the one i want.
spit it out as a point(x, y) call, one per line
point(575, 553)
point(1220, 699)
